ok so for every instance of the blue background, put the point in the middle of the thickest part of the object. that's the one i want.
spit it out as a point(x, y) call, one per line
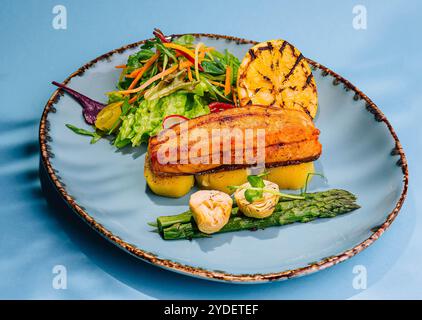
point(36, 235)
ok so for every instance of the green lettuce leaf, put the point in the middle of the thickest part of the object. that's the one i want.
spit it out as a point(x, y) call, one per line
point(185, 40)
point(147, 120)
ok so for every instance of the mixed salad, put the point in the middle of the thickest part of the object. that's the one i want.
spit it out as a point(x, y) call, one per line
point(165, 82)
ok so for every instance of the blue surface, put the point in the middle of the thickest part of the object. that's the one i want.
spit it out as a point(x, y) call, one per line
point(36, 236)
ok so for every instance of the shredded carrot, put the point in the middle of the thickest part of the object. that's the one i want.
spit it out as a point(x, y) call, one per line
point(185, 64)
point(151, 80)
point(180, 48)
point(198, 47)
point(217, 83)
point(203, 51)
point(143, 69)
point(227, 84)
point(234, 98)
point(122, 66)
point(134, 73)
point(133, 99)
point(190, 74)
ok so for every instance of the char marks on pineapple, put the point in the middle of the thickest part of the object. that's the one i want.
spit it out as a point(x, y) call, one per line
point(252, 54)
point(294, 67)
point(269, 47)
point(283, 46)
point(308, 80)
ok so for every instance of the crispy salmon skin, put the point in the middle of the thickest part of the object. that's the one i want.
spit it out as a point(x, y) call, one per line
point(233, 139)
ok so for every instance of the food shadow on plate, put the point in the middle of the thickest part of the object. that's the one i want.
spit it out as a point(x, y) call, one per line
point(170, 202)
point(136, 152)
point(218, 240)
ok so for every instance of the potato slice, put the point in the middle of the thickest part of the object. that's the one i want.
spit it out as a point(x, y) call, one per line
point(290, 177)
point(220, 180)
point(167, 186)
point(275, 73)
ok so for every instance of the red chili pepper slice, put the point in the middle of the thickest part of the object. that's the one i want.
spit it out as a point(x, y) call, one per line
point(160, 35)
point(220, 106)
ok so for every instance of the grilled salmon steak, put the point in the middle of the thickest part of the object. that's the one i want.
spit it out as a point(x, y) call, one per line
point(235, 138)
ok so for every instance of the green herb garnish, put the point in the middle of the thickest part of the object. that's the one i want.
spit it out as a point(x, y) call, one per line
point(305, 189)
point(255, 181)
point(95, 136)
point(256, 190)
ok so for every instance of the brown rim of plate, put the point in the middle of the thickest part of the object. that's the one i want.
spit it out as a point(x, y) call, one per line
point(220, 275)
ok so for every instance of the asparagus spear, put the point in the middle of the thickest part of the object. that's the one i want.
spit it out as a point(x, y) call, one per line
point(184, 217)
point(326, 204)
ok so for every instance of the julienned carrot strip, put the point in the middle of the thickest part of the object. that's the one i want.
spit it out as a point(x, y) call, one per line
point(185, 64)
point(198, 47)
point(179, 48)
point(143, 69)
point(190, 74)
point(133, 99)
point(151, 80)
point(122, 66)
point(217, 83)
point(234, 98)
point(134, 73)
point(227, 84)
point(188, 54)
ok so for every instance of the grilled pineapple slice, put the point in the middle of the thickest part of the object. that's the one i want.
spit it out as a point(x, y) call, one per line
point(276, 73)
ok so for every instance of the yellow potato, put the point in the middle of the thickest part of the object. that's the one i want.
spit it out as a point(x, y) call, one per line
point(290, 177)
point(220, 180)
point(167, 186)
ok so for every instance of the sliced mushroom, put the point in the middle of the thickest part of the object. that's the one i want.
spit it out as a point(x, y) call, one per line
point(260, 208)
point(211, 209)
